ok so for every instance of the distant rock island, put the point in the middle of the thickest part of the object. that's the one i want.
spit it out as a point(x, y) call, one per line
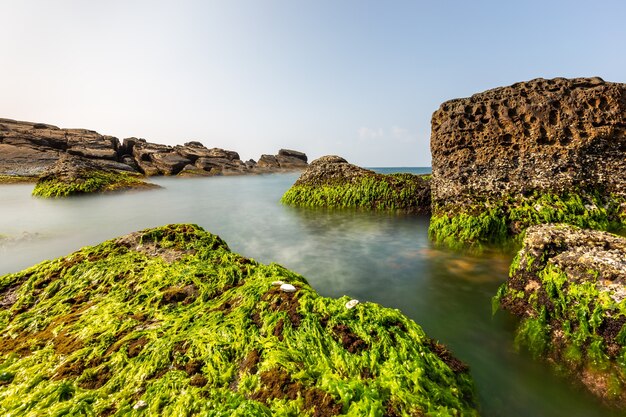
point(333, 182)
point(30, 150)
point(534, 152)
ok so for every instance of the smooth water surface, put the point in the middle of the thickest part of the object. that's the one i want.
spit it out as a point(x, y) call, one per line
point(380, 257)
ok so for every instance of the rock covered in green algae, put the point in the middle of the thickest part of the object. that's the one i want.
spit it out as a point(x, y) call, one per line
point(169, 321)
point(75, 175)
point(568, 286)
point(534, 152)
point(330, 181)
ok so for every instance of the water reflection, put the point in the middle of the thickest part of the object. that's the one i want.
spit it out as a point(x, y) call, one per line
point(378, 257)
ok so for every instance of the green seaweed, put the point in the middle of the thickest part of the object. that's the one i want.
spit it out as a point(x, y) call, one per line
point(92, 182)
point(573, 321)
point(169, 321)
point(16, 179)
point(502, 222)
point(376, 192)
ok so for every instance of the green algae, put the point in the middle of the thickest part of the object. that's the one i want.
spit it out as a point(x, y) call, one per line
point(377, 192)
point(168, 321)
point(92, 182)
point(16, 179)
point(570, 318)
point(502, 222)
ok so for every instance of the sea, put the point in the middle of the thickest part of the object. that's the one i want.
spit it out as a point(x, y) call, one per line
point(384, 258)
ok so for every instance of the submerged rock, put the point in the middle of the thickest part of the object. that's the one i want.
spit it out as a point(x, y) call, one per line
point(171, 319)
point(535, 152)
point(75, 175)
point(568, 285)
point(330, 181)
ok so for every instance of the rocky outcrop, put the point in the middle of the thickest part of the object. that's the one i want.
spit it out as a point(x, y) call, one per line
point(169, 319)
point(331, 181)
point(286, 160)
point(568, 285)
point(29, 150)
point(72, 175)
point(511, 147)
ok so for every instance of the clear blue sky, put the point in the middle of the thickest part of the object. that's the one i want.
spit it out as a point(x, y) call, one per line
point(359, 79)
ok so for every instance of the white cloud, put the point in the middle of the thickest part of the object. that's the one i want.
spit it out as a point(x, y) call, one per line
point(403, 134)
point(395, 134)
point(368, 133)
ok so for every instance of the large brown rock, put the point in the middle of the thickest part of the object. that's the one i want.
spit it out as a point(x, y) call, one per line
point(561, 137)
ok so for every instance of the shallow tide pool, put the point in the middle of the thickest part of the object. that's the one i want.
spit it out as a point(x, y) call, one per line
point(380, 257)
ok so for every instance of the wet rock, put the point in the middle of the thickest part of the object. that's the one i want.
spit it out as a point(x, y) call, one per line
point(496, 153)
point(568, 286)
point(330, 181)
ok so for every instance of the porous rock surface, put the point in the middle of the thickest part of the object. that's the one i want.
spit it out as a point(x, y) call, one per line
point(168, 321)
point(29, 150)
point(568, 285)
point(547, 135)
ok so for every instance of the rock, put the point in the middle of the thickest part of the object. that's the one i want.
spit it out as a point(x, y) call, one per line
point(568, 286)
point(29, 150)
point(169, 163)
point(293, 154)
point(268, 161)
point(77, 175)
point(286, 160)
point(27, 162)
point(194, 171)
point(290, 162)
point(554, 144)
point(331, 181)
point(210, 320)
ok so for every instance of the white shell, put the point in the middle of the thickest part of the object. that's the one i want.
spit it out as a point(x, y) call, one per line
point(288, 288)
point(277, 283)
point(140, 404)
point(352, 303)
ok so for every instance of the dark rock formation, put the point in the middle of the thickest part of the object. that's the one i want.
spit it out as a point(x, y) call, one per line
point(331, 181)
point(169, 319)
point(568, 285)
point(28, 150)
point(560, 137)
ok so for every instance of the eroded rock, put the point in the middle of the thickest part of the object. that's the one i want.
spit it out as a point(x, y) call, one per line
point(533, 152)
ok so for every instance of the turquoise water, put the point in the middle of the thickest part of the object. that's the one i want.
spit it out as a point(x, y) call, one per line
point(380, 257)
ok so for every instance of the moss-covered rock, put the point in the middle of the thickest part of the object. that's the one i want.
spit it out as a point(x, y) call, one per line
point(74, 175)
point(331, 181)
point(498, 221)
point(169, 321)
point(568, 287)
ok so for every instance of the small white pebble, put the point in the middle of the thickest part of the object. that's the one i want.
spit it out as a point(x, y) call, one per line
point(277, 283)
point(351, 303)
point(141, 404)
point(288, 288)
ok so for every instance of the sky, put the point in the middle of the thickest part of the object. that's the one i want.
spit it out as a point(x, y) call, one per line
point(359, 79)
